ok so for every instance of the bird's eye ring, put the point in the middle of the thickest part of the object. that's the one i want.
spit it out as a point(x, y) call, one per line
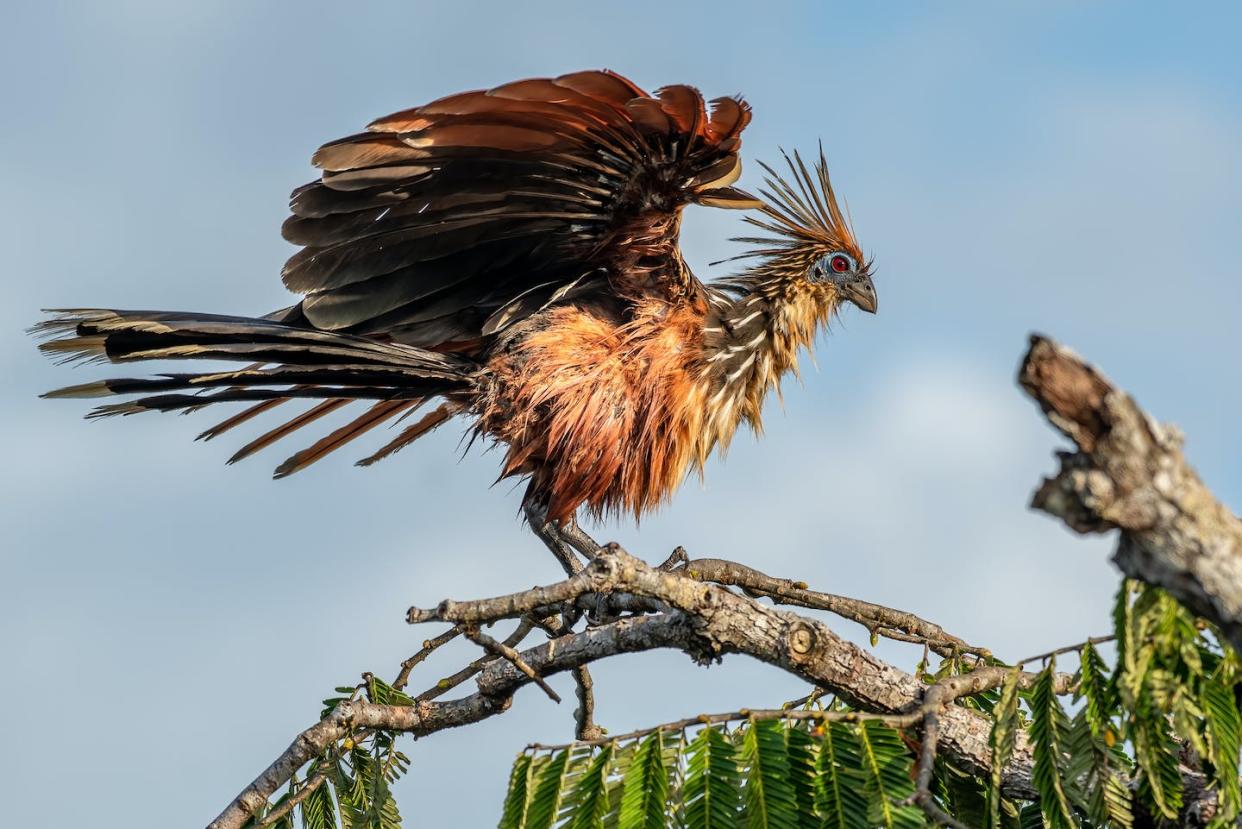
point(839, 263)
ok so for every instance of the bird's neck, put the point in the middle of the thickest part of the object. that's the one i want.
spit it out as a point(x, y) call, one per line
point(751, 338)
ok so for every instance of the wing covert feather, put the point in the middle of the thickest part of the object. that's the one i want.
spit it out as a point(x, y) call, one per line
point(463, 216)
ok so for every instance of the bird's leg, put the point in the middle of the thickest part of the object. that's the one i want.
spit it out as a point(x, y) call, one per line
point(550, 535)
point(563, 544)
point(578, 538)
point(563, 539)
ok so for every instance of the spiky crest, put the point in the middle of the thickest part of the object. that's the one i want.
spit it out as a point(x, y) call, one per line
point(804, 221)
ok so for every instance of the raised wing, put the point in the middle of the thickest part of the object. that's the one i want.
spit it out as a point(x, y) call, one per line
point(443, 224)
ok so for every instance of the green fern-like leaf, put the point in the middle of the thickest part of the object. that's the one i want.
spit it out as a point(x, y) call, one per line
point(370, 804)
point(1121, 626)
point(318, 810)
point(517, 798)
point(1189, 720)
point(1156, 751)
point(713, 782)
point(1165, 684)
point(675, 752)
point(887, 769)
point(622, 759)
point(1098, 768)
point(545, 802)
point(392, 764)
point(1001, 741)
point(1098, 774)
point(382, 693)
point(285, 821)
point(1030, 817)
point(803, 750)
point(842, 795)
point(1049, 731)
point(645, 787)
point(351, 795)
point(1094, 689)
point(768, 793)
point(587, 803)
point(1224, 736)
point(963, 795)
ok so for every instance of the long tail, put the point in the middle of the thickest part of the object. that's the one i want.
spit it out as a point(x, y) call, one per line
point(285, 362)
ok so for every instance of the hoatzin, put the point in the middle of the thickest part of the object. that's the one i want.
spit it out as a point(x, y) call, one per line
point(512, 254)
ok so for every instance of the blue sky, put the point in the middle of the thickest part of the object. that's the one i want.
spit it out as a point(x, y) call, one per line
point(1069, 168)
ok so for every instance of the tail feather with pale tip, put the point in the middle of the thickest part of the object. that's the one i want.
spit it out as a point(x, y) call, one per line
point(284, 362)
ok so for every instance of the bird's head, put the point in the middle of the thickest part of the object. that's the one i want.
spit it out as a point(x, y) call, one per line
point(810, 256)
point(846, 276)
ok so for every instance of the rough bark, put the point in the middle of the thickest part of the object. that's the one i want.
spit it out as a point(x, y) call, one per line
point(1129, 474)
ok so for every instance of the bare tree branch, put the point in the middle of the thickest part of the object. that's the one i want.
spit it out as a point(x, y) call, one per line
point(497, 682)
point(707, 621)
point(728, 623)
point(429, 647)
point(878, 619)
point(1129, 474)
point(1074, 648)
point(585, 728)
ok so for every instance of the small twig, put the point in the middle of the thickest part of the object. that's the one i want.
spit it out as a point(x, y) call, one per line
point(922, 796)
point(893, 720)
point(429, 647)
point(505, 607)
point(450, 682)
point(1094, 640)
point(809, 698)
point(501, 649)
point(314, 782)
point(584, 715)
point(935, 698)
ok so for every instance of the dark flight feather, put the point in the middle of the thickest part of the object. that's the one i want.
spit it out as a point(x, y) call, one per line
point(377, 414)
point(411, 433)
point(543, 172)
point(283, 430)
point(241, 417)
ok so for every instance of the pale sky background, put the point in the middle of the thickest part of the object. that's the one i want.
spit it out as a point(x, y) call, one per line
point(169, 623)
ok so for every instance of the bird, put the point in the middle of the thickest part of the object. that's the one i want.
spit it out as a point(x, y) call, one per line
point(511, 256)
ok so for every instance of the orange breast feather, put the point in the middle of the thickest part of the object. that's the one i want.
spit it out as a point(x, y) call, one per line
point(601, 413)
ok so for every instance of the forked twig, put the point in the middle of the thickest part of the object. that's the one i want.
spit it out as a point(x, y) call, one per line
point(501, 649)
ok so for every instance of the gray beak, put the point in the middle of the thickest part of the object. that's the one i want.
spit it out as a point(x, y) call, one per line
point(861, 291)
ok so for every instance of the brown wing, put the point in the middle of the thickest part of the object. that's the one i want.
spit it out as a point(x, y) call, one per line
point(446, 223)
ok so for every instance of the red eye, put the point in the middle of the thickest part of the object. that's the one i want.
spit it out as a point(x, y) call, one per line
point(839, 264)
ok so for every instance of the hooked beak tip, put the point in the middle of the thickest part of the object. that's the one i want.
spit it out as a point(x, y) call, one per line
point(862, 293)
